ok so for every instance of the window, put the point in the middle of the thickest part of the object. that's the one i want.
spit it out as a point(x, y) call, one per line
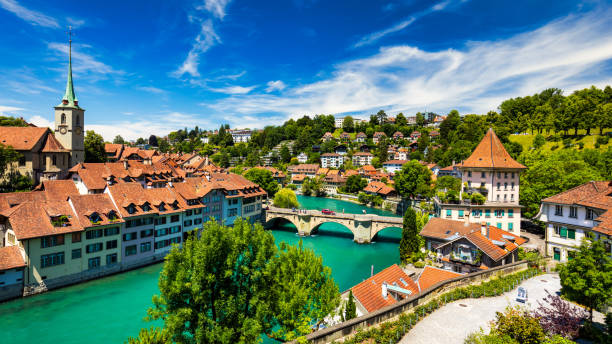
point(232, 212)
point(499, 225)
point(187, 223)
point(111, 244)
point(76, 253)
point(93, 263)
point(146, 207)
point(505, 174)
point(50, 241)
point(197, 211)
point(573, 212)
point(146, 233)
point(499, 213)
point(52, 259)
point(556, 254)
point(197, 221)
point(512, 197)
point(510, 213)
point(131, 250)
point(590, 214)
point(510, 226)
point(469, 173)
point(571, 233)
point(505, 186)
point(512, 175)
point(95, 218)
point(175, 229)
point(460, 213)
point(91, 248)
point(130, 236)
point(498, 174)
point(487, 213)
point(484, 174)
point(161, 232)
point(76, 237)
point(563, 232)
point(498, 198)
point(512, 186)
point(189, 212)
point(94, 234)
point(477, 212)
point(54, 158)
point(111, 231)
point(145, 247)
point(558, 210)
point(131, 209)
point(63, 118)
point(498, 186)
point(174, 218)
point(160, 221)
point(557, 230)
point(449, 213)
point(111, 259)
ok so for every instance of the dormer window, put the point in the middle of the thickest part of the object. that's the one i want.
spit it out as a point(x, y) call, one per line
point(60, 221)
point(175, 205)
point(112, 215)
point(146, 207)
point(161, 207)
point(95, 218)
point(131, 209)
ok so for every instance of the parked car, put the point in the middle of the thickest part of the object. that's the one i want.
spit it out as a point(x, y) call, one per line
point(328, 212)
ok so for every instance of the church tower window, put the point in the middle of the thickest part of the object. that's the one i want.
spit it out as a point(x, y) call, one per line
point(63, 118)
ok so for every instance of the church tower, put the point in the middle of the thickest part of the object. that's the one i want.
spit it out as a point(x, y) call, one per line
point(69, 118)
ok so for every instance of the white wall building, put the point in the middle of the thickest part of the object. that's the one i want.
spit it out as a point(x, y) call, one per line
point(362, 159)
point(239, 135)
point(339, 121)
point(302, 158)
point(331, 160)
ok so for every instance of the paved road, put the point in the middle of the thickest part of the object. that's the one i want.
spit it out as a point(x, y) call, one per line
point(453, 322)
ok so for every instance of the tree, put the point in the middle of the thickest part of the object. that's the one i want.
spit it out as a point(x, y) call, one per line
point(381, 117)
point(313, 186)
point(420, 119)
point(350, 311)
point(164, 146)
point(285, 155)
point(382, 151)
point(118, 140)
point(94, 147)
point(348, 124)
point(539, 141)
point(153, 335)
point(519, 325)
point(410, 243)
point(153, 141)
point(558, 316)
point(413, 180)
point(306, 291)
point(8, 121)
point(587, 278)
point(448, 183)
point(400, 120)
point(286, 198)
point(450, 124)
point(355, 183)
point(216, 288)
point(263, 178)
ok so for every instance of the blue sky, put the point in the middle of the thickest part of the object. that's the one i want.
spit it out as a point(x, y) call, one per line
point(143, 67)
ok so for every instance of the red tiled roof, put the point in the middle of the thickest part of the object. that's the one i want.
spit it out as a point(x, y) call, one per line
point(379, 188)
point(86, 205)
point(581, 193)
point(395, 162)
point(59, 189)
point(432, 275)
point(369, 292)
point(10, 258)
point(22, 138)
point(32, 219)
point(53, 145)
point(490, 153)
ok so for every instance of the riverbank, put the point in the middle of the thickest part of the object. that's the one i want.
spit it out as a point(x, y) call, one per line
point(117, 304)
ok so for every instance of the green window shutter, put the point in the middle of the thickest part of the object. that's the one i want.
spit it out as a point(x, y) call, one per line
point(448, 212)
point(563, 232)
point(571, 233)
point(510, 226)
point(557, 255)
point(499, 225)
point(460, 213)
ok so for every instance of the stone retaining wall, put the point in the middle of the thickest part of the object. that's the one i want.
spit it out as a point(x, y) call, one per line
point(393, 311)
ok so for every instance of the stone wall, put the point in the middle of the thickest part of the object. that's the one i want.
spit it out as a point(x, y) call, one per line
point(10, 291)
point(393, 311)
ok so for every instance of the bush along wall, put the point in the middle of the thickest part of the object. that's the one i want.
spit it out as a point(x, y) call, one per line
point(393, 331)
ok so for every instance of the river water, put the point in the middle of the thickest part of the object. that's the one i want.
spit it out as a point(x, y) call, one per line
point(110, 309)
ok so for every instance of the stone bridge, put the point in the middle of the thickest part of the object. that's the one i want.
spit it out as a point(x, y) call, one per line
point(364, 227)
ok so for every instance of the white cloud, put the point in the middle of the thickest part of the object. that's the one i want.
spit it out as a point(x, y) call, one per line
point(144, 126)
point(203, 41)
point(41, 122)
point(277, 85)
point(83, 62)
point(4, 108)
point(76, 23)
point(151, 89)
point(233, 89)
point(375, 36)
point(474, 79)
point(35, 18)
point(216, 7)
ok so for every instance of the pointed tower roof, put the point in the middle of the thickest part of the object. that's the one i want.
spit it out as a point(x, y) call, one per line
point(70, 99)
point(490, 153)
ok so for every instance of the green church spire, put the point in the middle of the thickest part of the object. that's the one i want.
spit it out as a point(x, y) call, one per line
point(70, 99)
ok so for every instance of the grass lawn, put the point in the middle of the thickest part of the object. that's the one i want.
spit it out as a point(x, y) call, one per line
point(526, 140)
point(336, 134)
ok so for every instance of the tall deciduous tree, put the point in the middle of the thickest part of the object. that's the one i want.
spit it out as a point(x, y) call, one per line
point(413, 179)
point(587, 278)
point(118, 140)
point(94, 147)
point(286, 198)
point(264, 179)
point(355, 183)
point(410, 242)
point(350, 311)
point(348, 124)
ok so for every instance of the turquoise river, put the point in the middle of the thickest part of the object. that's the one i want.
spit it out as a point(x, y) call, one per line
point(110, 309)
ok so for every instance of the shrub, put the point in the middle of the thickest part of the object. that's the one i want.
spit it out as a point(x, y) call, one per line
point(557, 316)
point(539, 141)
point(419, 265)
point(519, 325)
point(477, 198)
point(603, 140)
point(286, 198)
point(554, 147)
point(567, 142)
point(580, 145)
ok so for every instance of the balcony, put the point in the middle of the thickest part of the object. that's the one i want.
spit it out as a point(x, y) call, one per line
point(466, 258)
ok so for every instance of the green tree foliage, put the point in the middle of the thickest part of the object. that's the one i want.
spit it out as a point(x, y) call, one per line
point(519, 325)
point(285, 155)
point(232, 284)
point(94, 147)
point(263, 178)
point(305, 291)
point(8, 121)
point(350, 311)
point(587, 279)
point(413, 180)
point(153, 141)
point(314, 186)
point(151, 335)
point(10, 179)
point(286, 198)
point(118, 140)
point(355, 183)
point(410, 242)
point(448, 183)
point(348, 124)
point(539, 141)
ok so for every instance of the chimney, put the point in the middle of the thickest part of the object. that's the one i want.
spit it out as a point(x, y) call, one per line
point(384, 290)
point(484, 229)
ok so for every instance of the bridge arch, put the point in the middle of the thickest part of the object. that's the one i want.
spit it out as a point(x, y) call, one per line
point(390, 233)
point(281, 223)
point(337, 229)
